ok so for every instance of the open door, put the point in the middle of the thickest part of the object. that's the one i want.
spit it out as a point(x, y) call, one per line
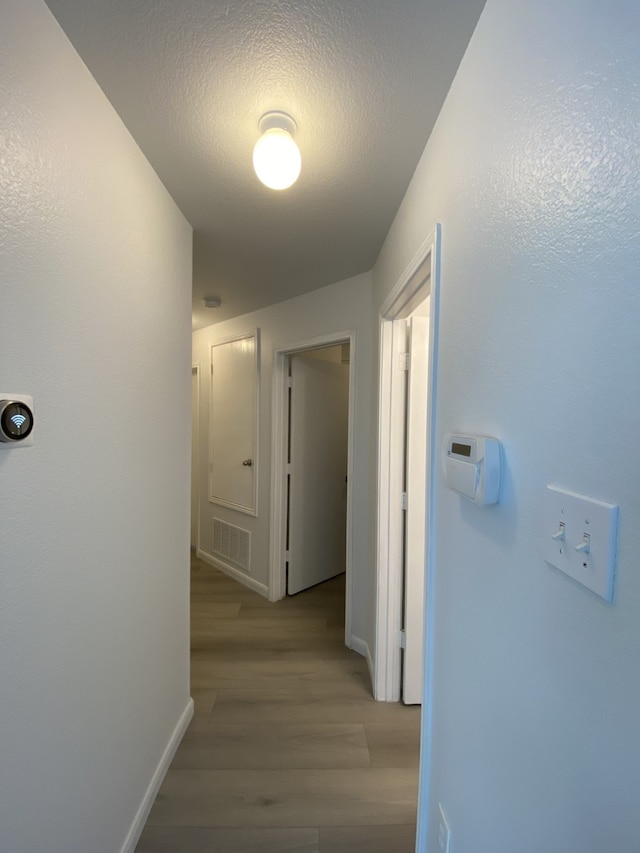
point(318, 439)
point(416, 474)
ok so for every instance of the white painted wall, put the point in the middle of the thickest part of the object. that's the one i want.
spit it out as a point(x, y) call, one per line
point(95, 267)
point(533, 172)
point(340, 307)
point(335, 355)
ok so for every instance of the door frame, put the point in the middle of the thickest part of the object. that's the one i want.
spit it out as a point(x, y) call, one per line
point(195, 369)
point(420, 279)
point(279, 437)
point(416, 476)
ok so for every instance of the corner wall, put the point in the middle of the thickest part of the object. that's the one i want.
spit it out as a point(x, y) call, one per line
point(95, 274)
point(532, 170)
point(337, 308)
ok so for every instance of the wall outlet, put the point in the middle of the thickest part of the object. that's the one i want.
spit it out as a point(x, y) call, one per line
point(444, 833)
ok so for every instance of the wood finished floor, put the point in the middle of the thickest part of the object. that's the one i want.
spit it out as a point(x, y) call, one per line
point(287, 751)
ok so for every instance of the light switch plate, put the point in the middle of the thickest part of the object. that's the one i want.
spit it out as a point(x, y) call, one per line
point(585, 520)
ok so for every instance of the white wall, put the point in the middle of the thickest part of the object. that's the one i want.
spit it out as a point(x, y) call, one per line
point(338, 308)
point(533, 172)
point(95, 269)
point(335, 355)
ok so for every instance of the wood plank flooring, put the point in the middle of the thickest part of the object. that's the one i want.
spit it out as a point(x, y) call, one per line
point(287, 751)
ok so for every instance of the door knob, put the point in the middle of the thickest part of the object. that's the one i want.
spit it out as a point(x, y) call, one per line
point(247, 463)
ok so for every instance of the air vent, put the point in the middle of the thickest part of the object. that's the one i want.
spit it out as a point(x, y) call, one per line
point(233, 543)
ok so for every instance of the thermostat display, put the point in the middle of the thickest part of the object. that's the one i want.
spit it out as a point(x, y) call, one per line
point(16, 419)
point(460, 449)
point(472, 466)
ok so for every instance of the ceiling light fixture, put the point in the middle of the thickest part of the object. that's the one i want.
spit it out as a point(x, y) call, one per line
point(276, 157)
point(212, 302)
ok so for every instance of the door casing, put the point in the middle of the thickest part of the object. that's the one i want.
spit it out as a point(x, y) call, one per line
point(195, 455)
point(420, 279)
point(415, 486)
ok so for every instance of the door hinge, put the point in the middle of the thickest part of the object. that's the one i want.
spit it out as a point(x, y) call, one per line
point(286, 556)
point(403, 639)
point(403, 498)
point(289, 382)
point(404, 361)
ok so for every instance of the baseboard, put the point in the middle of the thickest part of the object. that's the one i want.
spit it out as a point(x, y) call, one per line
point(362, 648)
point(359, 646)
point(237, 575)
point(133, 836)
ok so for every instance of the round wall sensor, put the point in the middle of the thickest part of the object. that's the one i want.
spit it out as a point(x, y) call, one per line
point(16, 420)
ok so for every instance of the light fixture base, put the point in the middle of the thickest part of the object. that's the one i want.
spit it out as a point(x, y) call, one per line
point(277, 119)
point(212, 302)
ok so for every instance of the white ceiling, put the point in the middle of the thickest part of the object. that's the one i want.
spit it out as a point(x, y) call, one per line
point(364, 80)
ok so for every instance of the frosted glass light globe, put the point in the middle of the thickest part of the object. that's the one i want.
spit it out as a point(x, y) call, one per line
point(276, 159)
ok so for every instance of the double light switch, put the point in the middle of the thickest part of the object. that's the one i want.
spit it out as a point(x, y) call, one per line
point(580, 539)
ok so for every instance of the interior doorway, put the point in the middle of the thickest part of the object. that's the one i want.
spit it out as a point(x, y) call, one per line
point(406, 443)
point(283, 545)
point(317, 449)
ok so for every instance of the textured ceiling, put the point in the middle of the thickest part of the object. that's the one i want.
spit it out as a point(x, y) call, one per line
point(364, 80)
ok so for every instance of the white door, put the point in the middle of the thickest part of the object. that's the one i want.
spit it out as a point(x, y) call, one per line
point(416, 474)
point(233, 423)
point(319, 416)
point(195, 497)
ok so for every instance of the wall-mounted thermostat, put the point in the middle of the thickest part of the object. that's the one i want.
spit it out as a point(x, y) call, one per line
point(472, 466)
point(16, 420)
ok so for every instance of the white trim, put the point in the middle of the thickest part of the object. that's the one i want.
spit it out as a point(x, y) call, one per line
point(390, 531)
point(196, 367)
point(279, 428)
point(234, 573)
point(279, 420)
point(135, 831)
point(409, 291)
point(416, 478)
point(248, 510)
point(432, 451)
point(362, 648)
point(419, 279)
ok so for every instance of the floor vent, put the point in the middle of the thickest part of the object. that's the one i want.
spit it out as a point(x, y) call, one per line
point(233, 543)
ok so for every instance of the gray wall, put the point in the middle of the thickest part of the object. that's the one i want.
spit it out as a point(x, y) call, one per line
point(533, 172)
point(95, 268)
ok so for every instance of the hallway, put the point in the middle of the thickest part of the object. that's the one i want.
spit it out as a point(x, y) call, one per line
point(287, 751)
